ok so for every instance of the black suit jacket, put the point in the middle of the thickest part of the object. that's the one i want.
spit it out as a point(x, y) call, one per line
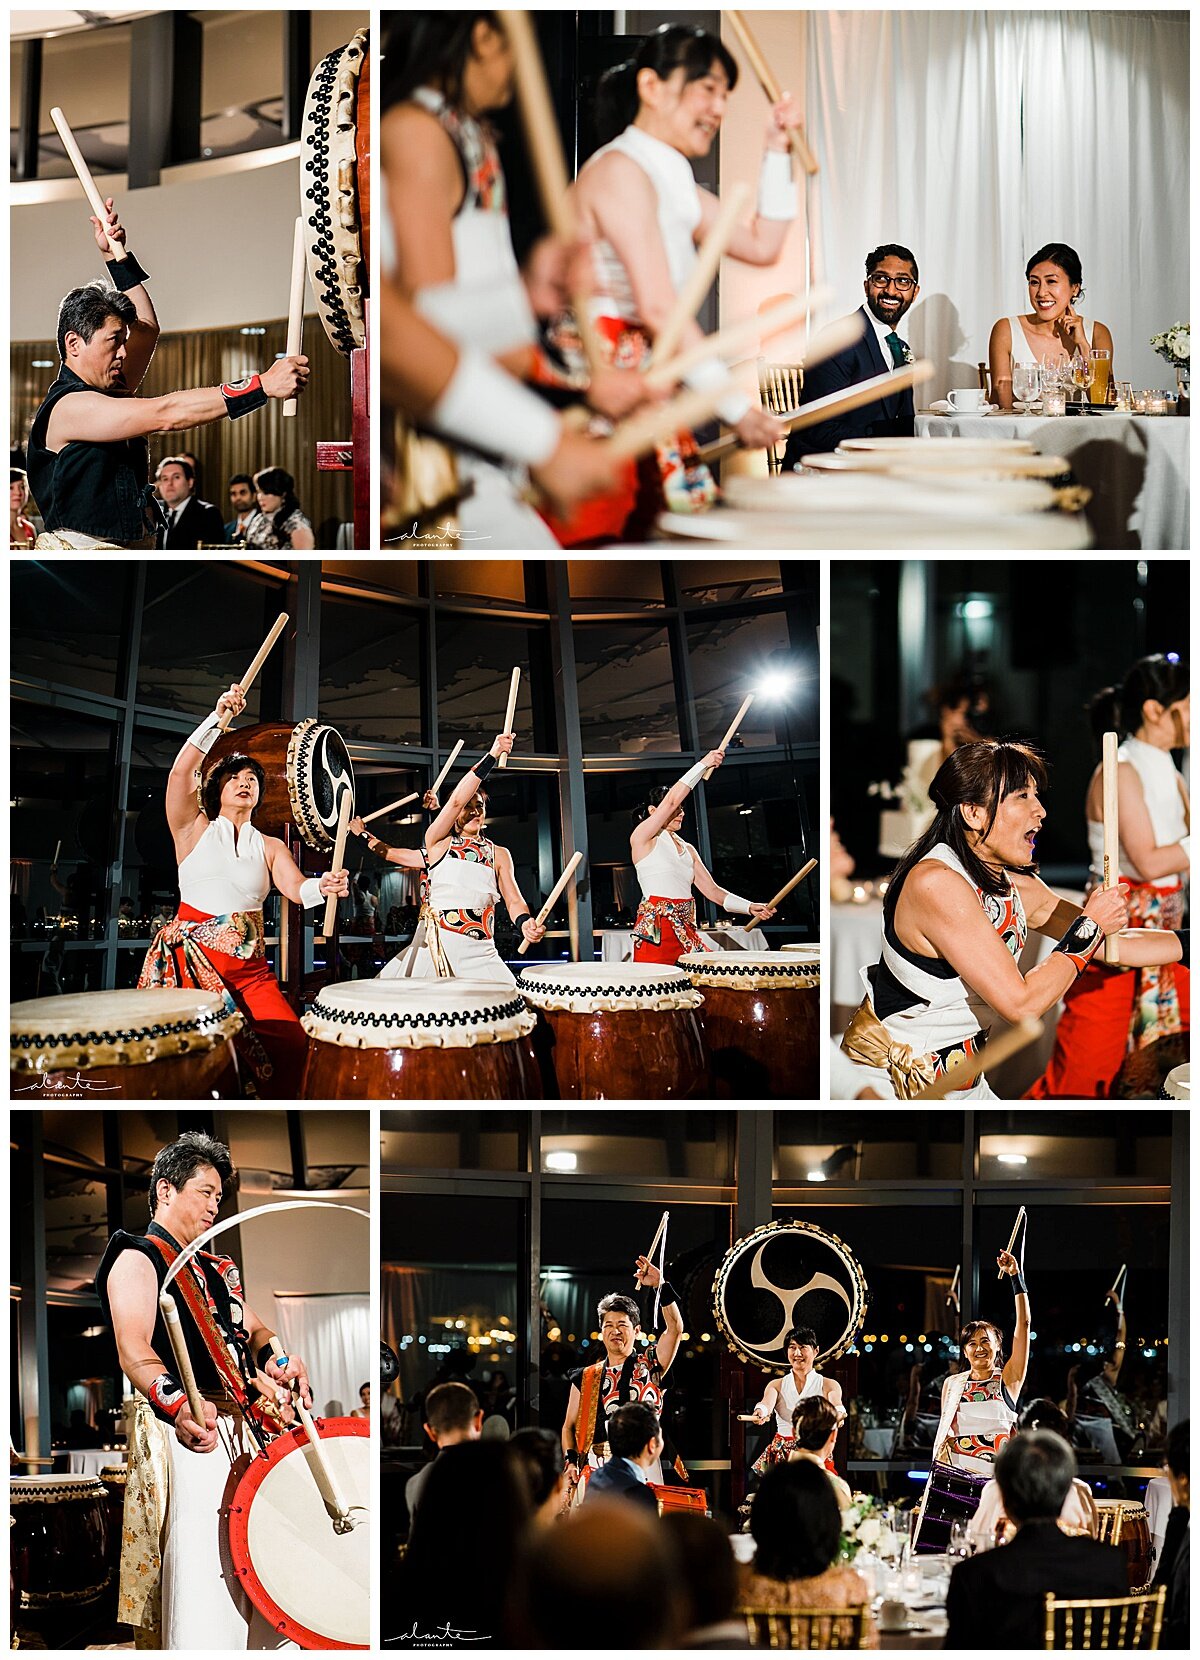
point(1003, 1591)
point(199, 522)
point(617, 1477)
point(890, 417)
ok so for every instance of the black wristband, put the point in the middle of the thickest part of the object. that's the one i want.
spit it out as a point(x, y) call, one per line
point(243, 397)
point(1080, 942)
point(1020, 1289)
point(126, 273)
point(525, 916)
point(667, 1294)
point(264, 1357)
point(484, 769)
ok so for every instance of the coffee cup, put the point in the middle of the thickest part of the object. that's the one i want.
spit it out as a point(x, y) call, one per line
point(968, 400)
point(893, 1616)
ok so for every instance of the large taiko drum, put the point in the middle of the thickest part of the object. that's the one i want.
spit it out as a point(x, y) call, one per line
point(1177, 1085)
point(419, 1040)
point(760, 1020)
point(308, 770)
point(335, 190)
point(115, 1479)
point(59, 1540)
point(312, 1583)
point(617, 1031)
point(163, 1045)
point(688, 1501)
point(1125, 1524)
point(784, 1275)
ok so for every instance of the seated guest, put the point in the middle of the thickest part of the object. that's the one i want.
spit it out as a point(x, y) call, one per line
point(891, 287)
point(279, 522)
point(708, 1575)
point(22, 533)
point(607, 1576)
point(540, 1451)
point(991, 1523)
point(1174, 1570)
point(463, 1551)
point(1053, 331)
point(635, 1442)
point(242, 504)
point(1003, 1591)
point(814, 1430)
point(452, 1414)
point(190, 522)
point(797, 1529)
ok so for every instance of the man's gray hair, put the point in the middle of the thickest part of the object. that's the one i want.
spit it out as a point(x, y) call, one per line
point(1034, 1472)
point(615, 1303)
point(179, 1161)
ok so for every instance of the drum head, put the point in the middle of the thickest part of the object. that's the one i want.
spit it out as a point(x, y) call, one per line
point(581, 987)
point(754, 970)
point(58, 1489)
point(418, 1014)
point(319, 772)
point(116, 1028)
point(329, 194)
point(314, 1585)
point(1177, 1086)
point(785, 1275)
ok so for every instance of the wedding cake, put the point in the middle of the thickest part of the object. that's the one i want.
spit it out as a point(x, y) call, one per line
point(900, 826)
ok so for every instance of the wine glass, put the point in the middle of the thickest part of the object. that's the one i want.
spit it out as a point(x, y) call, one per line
point(960, 1540)
point(1081, 375)
point(1026, 383)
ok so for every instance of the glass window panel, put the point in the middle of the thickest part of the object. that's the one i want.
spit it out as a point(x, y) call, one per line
point(71, 1137)
point(76, 1228)
point(849, 1147)
point(504, 583)
point(150, 881)
point(716, 581)
point(241, 84)
point(615, 585)
point(628, 702)
point(398, 576)
point(612, 798)
point(761, 833)
point(688, 1146)
point(87, 74)
point(67, 622)
point(1033, 1145)
point(475, 660)
point(732, 656)
point(202, 624)
point(371, 670)
point(490, 1140)
point(335, 1142)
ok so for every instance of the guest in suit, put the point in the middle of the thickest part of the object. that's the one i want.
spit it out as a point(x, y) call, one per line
point(1174, 1570)
point(189, 520)
point(1052, 331)
point(1003, 1591)
point(635, 1442)
point(243, 505)
point(890, 288)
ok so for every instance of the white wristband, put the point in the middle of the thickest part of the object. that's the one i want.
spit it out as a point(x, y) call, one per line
point(1186, 843)
point(494, 316)
point(310, 892)
point(207, 733)
point(693, 775)
point(778, 193)
point(735, 903)
point(712, 372)
point(487, 408)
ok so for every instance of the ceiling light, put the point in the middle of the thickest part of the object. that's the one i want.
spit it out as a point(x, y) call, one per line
point(1011, 1158)
point(560, 1161)
point(817, 1176)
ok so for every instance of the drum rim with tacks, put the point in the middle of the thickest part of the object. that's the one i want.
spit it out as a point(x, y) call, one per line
point(613, 986)
point(478, 1012)
point(59, 1488)
point(752, 970)
point(1177, 1085)
point(131, 1039)
point(253, 1481)
point(760, 1357)
point(336, 233)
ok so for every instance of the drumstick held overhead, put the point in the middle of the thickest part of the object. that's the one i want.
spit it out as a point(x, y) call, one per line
point(295, 329)
point(554, 893)
point(733, 726)
point(1013, 1237)
point(392, 807)
point(260, 657)
point(445, 772)
point(964, 1072)
point(339, 860)
point(769, 85)
point(782, 894)
point(83, 174)
point(512, 707)
point(838, 403)
point(183, 1359)
point(699, 278)
point(1112, 833)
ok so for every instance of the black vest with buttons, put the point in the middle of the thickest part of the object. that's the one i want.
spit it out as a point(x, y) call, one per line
point(99, 490)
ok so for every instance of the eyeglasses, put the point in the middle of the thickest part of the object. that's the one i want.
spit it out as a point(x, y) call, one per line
point(901, 284)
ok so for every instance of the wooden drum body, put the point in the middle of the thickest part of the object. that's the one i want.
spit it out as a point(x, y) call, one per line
point(164, 1045)
point(760, 1020)
point(115, 1479)
point(335, 200)
point(308, 770)
point(419, 1040)
point(59, 1540)
point(617, 1031)
point(1125, 1524)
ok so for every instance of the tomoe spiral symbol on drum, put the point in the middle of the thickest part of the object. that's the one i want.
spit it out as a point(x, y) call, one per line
point(785, 1275)
point(332, 777)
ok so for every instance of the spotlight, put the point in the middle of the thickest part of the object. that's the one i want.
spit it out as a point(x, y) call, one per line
point(561, 1161)
point(1011, 1158)
point(776, 683)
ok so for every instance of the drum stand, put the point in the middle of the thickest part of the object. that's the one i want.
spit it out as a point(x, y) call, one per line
point(355, 457)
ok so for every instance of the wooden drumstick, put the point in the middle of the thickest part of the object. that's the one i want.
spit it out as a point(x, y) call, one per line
point(554, 893)
point(445, 772)
point(1112, 832)
point(392, 807)
point(733, 726)
point(770, 86)
point(512, 707)
point(838, 403)
point(641, 432)
point(295, 328)
point(699, 278)
point(782, 894)
point(339, 860)
point(83, 174)
point(319, 1465)
point(965, 1071)
point(654, 1242)
point(1012, 1238)
point(260, 657)
point(546, 154)
point(57, 851)
point(729, 342)
point(183, 1360)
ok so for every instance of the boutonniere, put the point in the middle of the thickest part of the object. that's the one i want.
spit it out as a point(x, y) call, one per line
point(908, 353)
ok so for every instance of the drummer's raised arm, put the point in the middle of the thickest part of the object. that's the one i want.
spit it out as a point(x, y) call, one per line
point(466, 788)
point(183, 810)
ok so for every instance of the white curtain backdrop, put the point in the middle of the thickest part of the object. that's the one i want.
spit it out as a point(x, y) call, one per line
point(333, 1334)
point(974, 138)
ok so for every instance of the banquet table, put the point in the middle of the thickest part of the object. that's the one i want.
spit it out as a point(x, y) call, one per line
point(616, 944)
point(89, 1461)
point(1136, 467)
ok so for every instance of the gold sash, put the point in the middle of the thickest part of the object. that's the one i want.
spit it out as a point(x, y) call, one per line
point(869, 1042)
point(139, 1591)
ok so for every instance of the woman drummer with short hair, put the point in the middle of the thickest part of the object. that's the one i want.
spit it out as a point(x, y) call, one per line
point(801, 1382)
point(668, 868)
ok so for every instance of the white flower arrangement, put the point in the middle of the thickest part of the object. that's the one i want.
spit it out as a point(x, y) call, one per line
point(910, 795)
point(861, 1526)
point(1175, 344)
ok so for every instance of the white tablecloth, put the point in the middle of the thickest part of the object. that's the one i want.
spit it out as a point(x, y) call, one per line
point(1136, 467)
point(616, 944)
point(89, 1461)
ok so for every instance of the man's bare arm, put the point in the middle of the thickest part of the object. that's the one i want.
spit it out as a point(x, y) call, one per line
point(133, 1301)
point(99, 419)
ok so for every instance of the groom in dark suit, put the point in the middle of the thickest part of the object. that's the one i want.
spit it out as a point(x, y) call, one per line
point(891, 287)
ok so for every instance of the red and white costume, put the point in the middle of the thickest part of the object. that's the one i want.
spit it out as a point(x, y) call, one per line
point(666, 920)
point(460, 901)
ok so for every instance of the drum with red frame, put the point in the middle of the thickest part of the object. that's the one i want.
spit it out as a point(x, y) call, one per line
point(693, 1501)
point(312, 1583)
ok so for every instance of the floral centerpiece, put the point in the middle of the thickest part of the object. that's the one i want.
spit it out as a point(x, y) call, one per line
point(862, 1526)
point(1175, 344)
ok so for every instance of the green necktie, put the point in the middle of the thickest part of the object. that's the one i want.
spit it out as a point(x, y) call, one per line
point(896, 347)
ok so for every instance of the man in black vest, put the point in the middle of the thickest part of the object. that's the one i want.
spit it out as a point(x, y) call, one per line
point(190, 521)
point(890, 288)
point(89, 465)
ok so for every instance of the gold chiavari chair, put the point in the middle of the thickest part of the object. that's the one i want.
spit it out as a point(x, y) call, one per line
point(810, 1628)
point(1104, 1622)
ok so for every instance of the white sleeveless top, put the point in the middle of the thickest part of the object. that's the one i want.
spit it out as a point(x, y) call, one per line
point(1022, 351)
point(944, 1010)
point(226, 872)
point(665, 872)
point(1164, 803)
point(464, 878)
point(678, 216)
point(789, 1398)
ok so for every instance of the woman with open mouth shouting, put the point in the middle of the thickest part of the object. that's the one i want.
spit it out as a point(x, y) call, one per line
point(956, 917)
